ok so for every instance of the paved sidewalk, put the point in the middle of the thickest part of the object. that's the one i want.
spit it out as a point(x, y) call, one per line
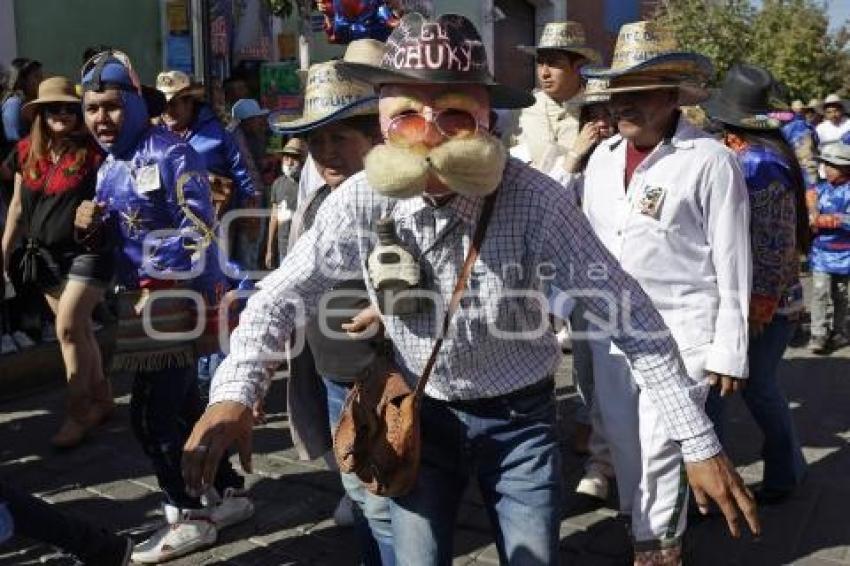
point(108, 480)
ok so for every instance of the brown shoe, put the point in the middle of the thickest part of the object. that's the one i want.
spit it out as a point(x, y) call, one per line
point(74, 428)
point(102, 405)
point(70, 435)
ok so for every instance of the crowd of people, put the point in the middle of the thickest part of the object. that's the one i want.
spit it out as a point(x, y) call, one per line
point(426, 223)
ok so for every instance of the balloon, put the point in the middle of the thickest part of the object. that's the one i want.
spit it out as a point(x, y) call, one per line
point(347, 20)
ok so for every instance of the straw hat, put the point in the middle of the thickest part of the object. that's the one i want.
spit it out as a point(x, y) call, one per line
point(834, 100)
point(365, 51)
point(744, 99)
point(447, 50)
point(595, 91)
point(332, 93)
point(54, 89)
point(647, 57)
point(295, 147)
point(175, 84)
point(836, 154)
point(563, 36)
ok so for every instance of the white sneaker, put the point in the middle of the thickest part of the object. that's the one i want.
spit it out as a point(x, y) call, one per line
point(594, 484)
point(22, 340)
point(7, 345)
point(344, 512)
point(186, 531)
point(229, 510)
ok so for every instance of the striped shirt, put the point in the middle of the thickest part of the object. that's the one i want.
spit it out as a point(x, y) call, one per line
point(499, 341)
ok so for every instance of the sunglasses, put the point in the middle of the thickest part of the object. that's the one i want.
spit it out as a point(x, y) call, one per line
point(412, 128)
point(66, 108)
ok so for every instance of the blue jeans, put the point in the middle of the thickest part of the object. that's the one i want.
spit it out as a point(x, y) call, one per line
point(784, 465)
point(510, 444)
point(207, 366)
point(164, 407)
point(372, 514)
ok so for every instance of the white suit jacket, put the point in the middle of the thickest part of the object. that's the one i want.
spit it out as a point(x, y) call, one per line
point(682, 230)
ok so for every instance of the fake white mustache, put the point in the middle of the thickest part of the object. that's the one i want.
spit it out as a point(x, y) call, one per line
point(470, 167)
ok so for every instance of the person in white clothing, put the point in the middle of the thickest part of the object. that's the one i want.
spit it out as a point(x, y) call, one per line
point(670, 203)
point(835, 122)
point(548, 129)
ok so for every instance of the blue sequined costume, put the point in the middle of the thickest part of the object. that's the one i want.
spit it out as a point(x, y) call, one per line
point(831, 246)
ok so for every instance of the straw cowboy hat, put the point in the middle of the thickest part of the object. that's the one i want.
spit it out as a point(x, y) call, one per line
point(447, 50)
point(174, 84)
point(296, 147)
point(54, 89)
point(835, 154)
point(595, 92)
point(563, 36)
point(744, 100)
point(332, 93)
point(834, 100)
point(647, 57)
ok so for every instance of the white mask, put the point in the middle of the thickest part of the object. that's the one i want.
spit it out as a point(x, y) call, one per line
point(290, 170)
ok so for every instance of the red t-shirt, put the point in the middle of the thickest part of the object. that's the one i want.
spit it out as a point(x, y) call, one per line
point(634, 157)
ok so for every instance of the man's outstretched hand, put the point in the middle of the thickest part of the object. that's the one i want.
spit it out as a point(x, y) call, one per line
point(716, 479)
point(222, 425)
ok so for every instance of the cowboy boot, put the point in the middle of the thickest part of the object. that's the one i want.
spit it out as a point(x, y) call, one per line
point(74, 428)
point(102, 403)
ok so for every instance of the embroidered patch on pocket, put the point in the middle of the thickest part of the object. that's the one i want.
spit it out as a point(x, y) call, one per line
point(650, 201)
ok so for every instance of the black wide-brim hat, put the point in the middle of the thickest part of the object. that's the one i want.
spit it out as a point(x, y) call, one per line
point(448, 50)
point(744, 99)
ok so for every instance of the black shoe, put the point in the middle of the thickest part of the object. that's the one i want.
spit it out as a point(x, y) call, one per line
point(772, 496)
point(838, 341)
point(819, 345)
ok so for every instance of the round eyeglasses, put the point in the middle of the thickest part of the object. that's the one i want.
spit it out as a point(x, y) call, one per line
point(412, 128)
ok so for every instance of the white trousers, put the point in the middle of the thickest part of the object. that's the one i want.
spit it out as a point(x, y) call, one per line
point(650, 471)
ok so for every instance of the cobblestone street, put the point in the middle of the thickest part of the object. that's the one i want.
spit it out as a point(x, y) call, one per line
point(108, 480)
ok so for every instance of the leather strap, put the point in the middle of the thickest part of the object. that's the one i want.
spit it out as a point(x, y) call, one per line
point(457, 294)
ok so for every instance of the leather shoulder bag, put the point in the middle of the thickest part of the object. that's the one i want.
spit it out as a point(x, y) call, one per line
point(378, 434)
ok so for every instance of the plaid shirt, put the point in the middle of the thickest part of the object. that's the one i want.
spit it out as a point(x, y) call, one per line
point(538, 242)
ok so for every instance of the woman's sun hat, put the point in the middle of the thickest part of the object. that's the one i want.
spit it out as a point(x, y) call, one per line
point(54, 89)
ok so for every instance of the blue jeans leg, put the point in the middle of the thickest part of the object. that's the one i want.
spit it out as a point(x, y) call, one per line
point(372, 516)
point(784, 465)
point(511, 445)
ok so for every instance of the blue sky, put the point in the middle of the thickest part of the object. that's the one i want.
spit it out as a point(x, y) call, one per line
point(839, 11)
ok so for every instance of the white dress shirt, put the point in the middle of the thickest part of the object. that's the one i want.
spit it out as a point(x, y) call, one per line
point(830, 133)
point(500, 340)
point(682, 230)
